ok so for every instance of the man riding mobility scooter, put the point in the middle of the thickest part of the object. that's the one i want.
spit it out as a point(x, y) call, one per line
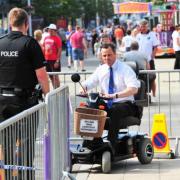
point(96, 149)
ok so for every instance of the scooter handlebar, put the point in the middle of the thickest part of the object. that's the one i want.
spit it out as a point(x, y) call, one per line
point(82, 95)
point(87, 95)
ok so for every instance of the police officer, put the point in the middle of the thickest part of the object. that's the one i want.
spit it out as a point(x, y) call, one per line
point(21, 67)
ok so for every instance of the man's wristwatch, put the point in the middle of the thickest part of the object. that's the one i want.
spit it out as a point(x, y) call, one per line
point(116, 95)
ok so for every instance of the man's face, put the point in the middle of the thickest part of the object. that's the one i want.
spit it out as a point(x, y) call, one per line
point(52, 32)
point(144, 28)
point(69, 28)
point(108, 56)
point(105, 40)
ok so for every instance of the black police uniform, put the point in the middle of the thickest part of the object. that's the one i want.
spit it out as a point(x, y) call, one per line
point(20, 56)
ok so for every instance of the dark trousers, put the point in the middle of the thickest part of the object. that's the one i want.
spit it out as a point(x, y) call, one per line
point(17, 139)
point(148, 79)
point(152, 64)
point(117, 113)
point(177, 61)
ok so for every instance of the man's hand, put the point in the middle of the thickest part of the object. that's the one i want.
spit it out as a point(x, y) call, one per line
point(108, 96)
point(56, 64)
point(83, 91)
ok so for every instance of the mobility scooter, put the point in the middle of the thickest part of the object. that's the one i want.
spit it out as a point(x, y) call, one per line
point(98, 150)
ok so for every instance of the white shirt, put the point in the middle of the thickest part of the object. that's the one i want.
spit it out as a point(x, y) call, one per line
point(146, 43)
point(124, 77)
point(127, 40)
point(175, 36)
point(44, 35)
point(88, 36)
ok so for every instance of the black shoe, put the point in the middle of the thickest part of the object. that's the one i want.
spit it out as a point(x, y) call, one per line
point(113, 150)
point(83, 70)
point(114, 146)
point(69, 67)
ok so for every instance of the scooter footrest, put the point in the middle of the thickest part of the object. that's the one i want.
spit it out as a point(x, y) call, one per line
point(82, 151)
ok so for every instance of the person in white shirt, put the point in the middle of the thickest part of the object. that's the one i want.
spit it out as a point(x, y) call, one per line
point(127, 40)
point(44, 35)
point(134, 34)
point(142, 62)
point(176, 46)
point(148, 43)
point(125, 86)
point(136, 56)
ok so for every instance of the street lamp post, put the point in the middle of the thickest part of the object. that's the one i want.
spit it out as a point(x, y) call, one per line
point(29, 17)
point(97, 14)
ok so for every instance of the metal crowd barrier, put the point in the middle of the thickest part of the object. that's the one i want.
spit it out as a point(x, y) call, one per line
point(167, 100)
point(167, 97)
point(34, 144)
point(21, 145)
point(57, 141)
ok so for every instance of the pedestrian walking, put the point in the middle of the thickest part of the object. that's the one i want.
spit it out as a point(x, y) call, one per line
point(68, 45)
point(119, 34)
point(148, 43)
point(21, 68)
point(38, 36)
point(176, 46)
point(79, 47)
point(126, 41)
point(134, 34)
point(44, 35)
point(52, 47)
point(94, 39)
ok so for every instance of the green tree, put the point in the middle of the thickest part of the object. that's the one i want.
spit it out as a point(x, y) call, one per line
point(158, 2)
point(53, 9)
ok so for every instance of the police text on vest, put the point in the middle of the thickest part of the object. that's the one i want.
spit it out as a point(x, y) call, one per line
point(9, 53)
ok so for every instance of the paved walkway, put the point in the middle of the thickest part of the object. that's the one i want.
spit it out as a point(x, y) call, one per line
point(159, 169)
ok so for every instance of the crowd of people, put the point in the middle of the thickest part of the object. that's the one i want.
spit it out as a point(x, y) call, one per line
point(79, 40)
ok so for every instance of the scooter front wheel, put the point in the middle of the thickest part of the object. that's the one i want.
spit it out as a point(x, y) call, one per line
point(106, 162)
point(145, 150)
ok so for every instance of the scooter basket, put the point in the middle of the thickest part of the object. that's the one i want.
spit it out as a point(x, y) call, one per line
point(89, 122)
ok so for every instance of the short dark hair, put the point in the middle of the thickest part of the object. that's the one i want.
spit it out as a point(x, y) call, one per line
point(78, 27)
point(128, 32)
point(108, 45)
point(134, 45)
point(104, 36)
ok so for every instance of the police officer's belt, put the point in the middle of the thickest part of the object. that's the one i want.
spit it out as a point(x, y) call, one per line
point(15, 92)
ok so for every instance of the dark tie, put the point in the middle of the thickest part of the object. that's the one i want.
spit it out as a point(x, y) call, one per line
point(111, 87)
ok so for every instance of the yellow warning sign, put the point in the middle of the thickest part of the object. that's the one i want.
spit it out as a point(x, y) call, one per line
point(159, 134)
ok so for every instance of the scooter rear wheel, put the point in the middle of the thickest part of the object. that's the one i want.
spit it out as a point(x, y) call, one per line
point(145, 151)
point(106, 162)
